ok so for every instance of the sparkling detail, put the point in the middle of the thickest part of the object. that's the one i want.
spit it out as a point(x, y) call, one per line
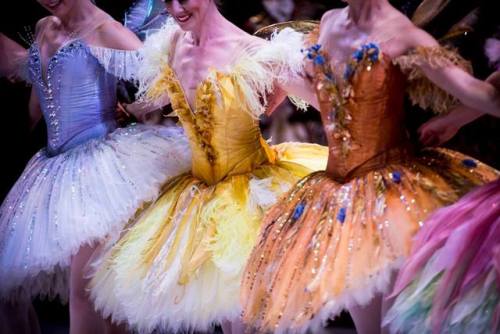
point(341, 215)
point(299, 210)
point(469, 163)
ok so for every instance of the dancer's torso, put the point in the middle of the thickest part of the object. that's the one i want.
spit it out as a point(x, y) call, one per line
point(210, 101)
point(76, 94)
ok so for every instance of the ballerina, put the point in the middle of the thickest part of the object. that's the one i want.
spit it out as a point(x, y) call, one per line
point(336, 239)
point(91, 178)
point(449, 284)
point(178, 268)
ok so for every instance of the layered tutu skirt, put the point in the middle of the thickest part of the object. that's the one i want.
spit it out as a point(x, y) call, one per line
point(179, 266)
point(61, 203)
point(451, 282)
point(328, 245)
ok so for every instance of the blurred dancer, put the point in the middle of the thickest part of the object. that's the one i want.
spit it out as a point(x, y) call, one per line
point(449, 284)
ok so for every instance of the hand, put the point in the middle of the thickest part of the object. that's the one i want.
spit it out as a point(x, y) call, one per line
point(123, 117)
point(437, 131)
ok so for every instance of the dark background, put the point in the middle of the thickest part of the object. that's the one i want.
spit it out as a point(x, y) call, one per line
point(18, 143)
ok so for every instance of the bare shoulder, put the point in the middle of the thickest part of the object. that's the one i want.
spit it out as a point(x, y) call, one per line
point(410, 36)
point(254, 41)
point(47, 22)
point(112, 34)
point(330, 15)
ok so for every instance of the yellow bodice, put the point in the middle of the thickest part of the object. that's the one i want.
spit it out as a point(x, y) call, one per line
point(224, 135)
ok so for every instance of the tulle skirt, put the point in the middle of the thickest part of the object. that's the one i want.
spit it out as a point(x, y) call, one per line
point(78, 197)
point(178, 268)
point(327, 246)
point(451, 281)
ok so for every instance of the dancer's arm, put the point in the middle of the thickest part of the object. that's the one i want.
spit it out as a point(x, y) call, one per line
point(145, 111)
point(440, 129)
point(302, 88)
point(11, 57)
point(112, 34)
point(35, 112)
point(472, 92)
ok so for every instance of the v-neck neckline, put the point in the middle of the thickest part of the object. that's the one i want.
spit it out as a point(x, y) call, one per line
point(45, 72)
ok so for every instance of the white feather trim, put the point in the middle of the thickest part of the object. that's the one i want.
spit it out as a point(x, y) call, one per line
point(155, 56)
point(256, 68)
point(123, 64)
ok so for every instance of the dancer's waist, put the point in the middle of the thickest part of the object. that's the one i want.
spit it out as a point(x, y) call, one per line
point(380, 160)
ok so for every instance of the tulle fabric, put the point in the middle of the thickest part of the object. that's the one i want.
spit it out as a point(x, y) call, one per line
point(78, 197)
point(450, 284)
point(179, 267)
point(327, 246)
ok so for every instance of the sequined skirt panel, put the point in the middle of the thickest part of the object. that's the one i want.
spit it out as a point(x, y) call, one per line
point(326, 245)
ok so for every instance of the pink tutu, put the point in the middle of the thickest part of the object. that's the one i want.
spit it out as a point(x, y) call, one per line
point(451, 282)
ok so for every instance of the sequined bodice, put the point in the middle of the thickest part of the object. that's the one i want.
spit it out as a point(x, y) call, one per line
point(225, 138)
point(77, 96)
point(362, 112)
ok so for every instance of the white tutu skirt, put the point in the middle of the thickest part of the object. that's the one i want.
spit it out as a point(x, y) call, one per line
point(79, 197)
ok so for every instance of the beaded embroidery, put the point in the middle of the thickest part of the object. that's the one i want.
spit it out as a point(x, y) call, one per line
point(339, 94)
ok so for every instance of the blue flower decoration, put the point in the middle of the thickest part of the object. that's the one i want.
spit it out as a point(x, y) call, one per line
point(299, 210)
point(319, 60)
point(310, 55)
point(348, 72)
point(374, 57)
point(469, 163)
point(358, 55)
point(341, 215)
point(316, 47)
point(396, 177)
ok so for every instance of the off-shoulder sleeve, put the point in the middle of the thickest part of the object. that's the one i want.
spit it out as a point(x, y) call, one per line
point(258, 69)
point(123, 64)
point(420, 89)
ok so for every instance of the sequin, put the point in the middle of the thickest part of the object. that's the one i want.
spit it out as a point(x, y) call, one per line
point(299, 210)
point(469, 163)
point(341, 215)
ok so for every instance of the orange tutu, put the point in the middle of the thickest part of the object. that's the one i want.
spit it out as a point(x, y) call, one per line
point(327, 246)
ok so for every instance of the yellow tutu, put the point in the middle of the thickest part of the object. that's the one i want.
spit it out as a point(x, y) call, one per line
point(179, 265)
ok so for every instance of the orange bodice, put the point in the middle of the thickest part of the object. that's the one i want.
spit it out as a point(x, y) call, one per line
point(373, 104)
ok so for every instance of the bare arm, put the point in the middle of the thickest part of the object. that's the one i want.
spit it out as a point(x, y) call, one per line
point(440, 129)
point(144, 111)
point(302, 88)
point(112, 34)
point(472, 92)
point(35, 112)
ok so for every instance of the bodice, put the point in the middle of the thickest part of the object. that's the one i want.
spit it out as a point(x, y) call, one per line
point(223, 123)
point(225, 137)
point(362, 105)
point(77, 95)
point(362, 112)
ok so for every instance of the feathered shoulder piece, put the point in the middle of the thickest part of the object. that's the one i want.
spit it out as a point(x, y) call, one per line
point(420, 89)
point(258, 68)
point(255, 69)
point(155, 60)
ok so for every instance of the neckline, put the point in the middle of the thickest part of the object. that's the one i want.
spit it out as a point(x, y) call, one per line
point(344, 72)
point(198, 87)
point(45, 74)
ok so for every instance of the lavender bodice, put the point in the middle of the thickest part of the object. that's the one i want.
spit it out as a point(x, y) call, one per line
point(77, 95)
